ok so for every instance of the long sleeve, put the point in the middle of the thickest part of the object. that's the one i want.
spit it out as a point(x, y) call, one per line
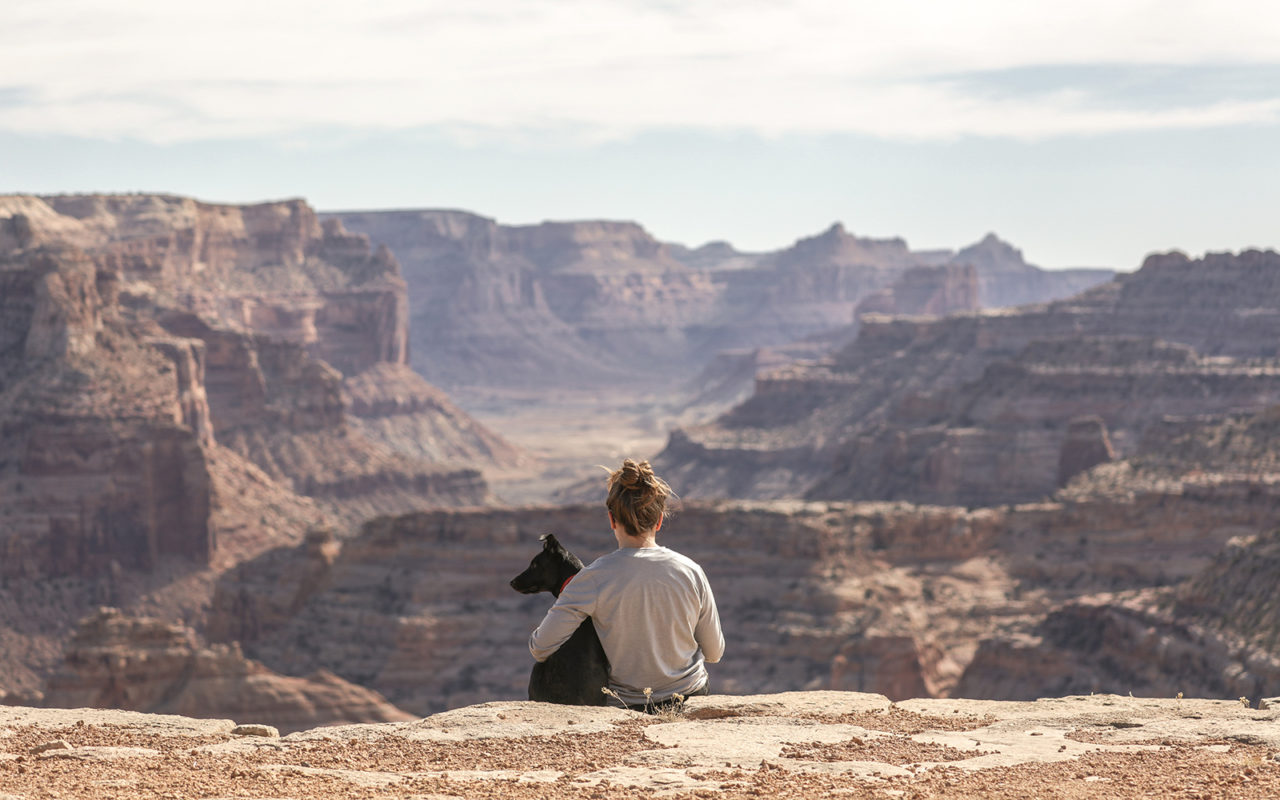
point(571, 608)
point(708, 634)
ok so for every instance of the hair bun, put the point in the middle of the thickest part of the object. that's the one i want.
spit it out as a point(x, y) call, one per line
point(636, 475)
point(637, 497)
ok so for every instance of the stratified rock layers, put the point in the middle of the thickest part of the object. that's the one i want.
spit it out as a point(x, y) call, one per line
point(177, 388)
point(142, 334)
point(886, 597)
point(597, 303)
point(146, 664)
point(980, 408)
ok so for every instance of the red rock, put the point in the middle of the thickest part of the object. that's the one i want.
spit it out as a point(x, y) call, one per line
point(145, 664)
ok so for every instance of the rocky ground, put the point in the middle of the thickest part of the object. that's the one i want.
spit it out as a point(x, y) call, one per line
point(803, 744)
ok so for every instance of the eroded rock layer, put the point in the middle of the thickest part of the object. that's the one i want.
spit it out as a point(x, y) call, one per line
point(876, 596)
point(146, 664)
point(796, 744)
point(987, 408)
point(177, 382)
point(600, 303)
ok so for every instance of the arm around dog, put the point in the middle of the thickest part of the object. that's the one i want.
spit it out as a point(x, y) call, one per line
point(574, 604)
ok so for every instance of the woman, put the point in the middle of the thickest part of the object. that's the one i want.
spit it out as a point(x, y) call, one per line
point(651, 606)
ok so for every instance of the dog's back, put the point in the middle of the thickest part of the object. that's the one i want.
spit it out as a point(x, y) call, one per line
point(578, 671)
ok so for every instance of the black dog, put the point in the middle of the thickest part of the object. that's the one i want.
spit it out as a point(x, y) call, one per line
point(575, 674)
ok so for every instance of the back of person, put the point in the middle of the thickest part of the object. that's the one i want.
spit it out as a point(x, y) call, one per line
point(652, 607)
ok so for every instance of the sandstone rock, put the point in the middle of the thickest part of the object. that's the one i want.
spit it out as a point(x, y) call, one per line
point(394, 406)
point(932, 291)
point(597, 303)
point(932, 748)
point(975, 409)
point(253, 306)
point(116, 661)
point(1086, 446)
point(255, 730)
point(56, 744)
point(1006, 279)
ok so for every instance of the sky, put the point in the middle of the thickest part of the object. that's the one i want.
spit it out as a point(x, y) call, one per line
point(1088, 133)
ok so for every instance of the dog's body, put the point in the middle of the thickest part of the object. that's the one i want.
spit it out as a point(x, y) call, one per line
point(575, 674)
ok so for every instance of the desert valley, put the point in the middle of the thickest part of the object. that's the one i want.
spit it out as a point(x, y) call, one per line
point(262, 460)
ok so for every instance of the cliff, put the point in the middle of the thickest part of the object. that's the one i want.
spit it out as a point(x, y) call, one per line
point(593, 304)
point(102, 431)
point(977, 408)
point(1211, 630)
point(263, 312)
point(798, 744)
point(173, 401)
point(884, 597)
point(146, 664)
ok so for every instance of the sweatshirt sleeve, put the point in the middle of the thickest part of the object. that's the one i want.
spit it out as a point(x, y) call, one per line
point(708, 634)
point(571, 608)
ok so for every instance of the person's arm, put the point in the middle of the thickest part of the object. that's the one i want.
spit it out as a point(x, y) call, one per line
point(570, 609)
point(708, 634)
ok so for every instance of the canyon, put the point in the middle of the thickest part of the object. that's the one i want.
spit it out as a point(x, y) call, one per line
point(260, 457)
point(601, 303)
point(601, 327)
point(979, 408)
point(183, 385)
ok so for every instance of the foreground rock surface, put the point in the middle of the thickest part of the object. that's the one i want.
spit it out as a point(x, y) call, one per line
point(798, 744)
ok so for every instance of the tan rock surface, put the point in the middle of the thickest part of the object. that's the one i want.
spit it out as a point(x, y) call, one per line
point(976, 408)
point(598, 303)
point(146, 664)
point(890, 598)
point(169, 404)
point(793, 745)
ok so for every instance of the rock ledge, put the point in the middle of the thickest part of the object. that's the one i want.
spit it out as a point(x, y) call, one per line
point(798, 743)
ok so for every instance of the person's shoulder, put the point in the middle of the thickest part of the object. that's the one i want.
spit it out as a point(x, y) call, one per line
point(603, 562)
point(681, 559)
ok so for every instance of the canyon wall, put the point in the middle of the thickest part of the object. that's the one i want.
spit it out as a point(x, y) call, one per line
point(597, 303)
point(888, 597)
point(184, 385)
point(146, 664)
point(263, 313)
point(978, 408)
point(102, 433)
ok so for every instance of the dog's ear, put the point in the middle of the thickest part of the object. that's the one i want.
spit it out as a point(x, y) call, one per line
point(549, 541)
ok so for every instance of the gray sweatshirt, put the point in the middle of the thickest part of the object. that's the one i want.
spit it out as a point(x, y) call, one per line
point(655, 615)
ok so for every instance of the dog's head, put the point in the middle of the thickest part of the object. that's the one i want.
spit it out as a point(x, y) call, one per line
point(549, 569)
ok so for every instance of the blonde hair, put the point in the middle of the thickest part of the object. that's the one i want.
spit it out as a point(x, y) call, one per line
point(637, 498)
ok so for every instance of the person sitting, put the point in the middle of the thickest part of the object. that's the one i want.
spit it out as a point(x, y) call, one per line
point(652, 607)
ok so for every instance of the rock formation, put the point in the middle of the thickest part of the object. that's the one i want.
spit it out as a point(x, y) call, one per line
point(795, 744)
point(1006, 279)
point(249, 318)
point(1213, 631)
point(976, 408)
point(893, 598)
point(102, 432)
point(146, 664)
point(177, 388)
point(597, 303)
point(927, 291)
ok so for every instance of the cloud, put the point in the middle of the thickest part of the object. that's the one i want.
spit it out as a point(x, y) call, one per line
point(171, 72)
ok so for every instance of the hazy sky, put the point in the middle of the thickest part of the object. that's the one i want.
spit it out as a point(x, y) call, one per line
point(1085, 133)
